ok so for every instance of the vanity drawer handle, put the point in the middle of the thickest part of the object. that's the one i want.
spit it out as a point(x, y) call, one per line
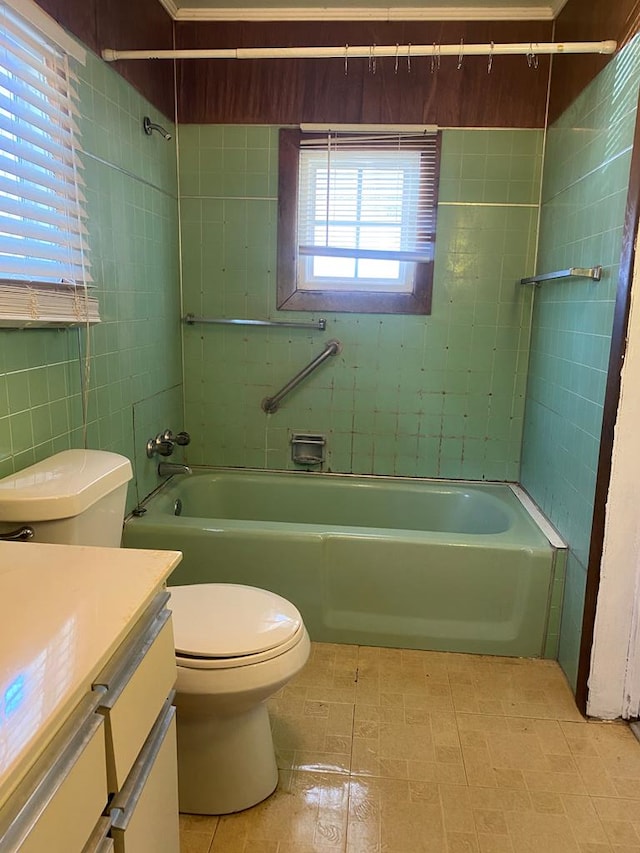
point(115, 681)
point(124, 804)
point(135, 687)
point(33, 806)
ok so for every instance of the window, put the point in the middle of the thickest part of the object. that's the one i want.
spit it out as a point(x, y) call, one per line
point(357, 218)
point(43, 252)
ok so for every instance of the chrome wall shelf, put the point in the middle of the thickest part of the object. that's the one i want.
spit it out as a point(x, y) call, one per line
point(579, 272)
point(319, 325)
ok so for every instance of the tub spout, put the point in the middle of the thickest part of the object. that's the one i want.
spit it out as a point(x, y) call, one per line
point(165, 469)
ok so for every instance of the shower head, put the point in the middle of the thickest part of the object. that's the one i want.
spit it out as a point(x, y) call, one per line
point(148, 126)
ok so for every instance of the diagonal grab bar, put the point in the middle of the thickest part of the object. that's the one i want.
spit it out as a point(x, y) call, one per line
point(272, 404)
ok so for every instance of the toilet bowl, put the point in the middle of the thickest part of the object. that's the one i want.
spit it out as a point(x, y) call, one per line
point(235, 647)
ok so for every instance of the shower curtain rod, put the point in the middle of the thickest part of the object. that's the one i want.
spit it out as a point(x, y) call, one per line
point(369, 51)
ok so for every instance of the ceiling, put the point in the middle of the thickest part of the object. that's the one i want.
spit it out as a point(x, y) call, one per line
point(366, 10)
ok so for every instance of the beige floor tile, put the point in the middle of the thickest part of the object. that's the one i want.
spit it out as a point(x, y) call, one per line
point(607, 756)
point(522, 822)
point(518, 752)
point(312, 734)
point(532, 832)
point(384, 817)
point(199, 823)
point(584, 819)
point(322, 762)
point(330, 670)
point(420, 745)
point(620, 819)
point(513, 687)
point(307, 810)
point(375, 713)
point(196, 833)
point(194, 842)
point(594, 847)
point(494, 843)
point(248, 846)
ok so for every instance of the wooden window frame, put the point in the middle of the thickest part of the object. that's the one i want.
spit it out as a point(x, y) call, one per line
point(289, 298)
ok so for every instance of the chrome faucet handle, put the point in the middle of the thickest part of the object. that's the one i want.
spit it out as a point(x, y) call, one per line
point(162, 444)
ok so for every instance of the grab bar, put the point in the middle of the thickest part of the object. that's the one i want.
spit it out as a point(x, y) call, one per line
point(582, 272)
point(320, 324)
point(272, 404)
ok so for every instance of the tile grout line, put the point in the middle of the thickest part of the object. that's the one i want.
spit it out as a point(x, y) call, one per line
point(353, 730)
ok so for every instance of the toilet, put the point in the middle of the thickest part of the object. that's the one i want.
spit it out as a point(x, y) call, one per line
point(235, 645)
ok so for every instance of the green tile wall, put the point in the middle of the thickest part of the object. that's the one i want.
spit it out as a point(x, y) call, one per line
point(586, 173)
point(436, 396)
point(135, 353)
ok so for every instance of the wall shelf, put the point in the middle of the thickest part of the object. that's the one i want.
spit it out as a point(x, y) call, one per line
point(578, 272)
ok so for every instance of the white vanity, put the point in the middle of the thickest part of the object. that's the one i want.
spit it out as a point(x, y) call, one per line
point(87, 727)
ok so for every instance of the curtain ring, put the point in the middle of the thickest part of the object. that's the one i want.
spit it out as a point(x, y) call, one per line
point(395, 68)
point(461, 54)
point(435, 59)
point(532, 59)
point(409, 58)
point(489, 66)
point(372, 59)
point(346, 60)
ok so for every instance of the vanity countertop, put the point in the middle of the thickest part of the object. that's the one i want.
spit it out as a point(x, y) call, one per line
point(65, 611)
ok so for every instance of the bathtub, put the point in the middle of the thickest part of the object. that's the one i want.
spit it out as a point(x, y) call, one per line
point(379, 561)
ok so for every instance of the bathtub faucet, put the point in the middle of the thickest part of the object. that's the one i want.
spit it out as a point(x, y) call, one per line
point(165, 469)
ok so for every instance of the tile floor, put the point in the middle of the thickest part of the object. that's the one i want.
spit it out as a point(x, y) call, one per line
point(394, 751)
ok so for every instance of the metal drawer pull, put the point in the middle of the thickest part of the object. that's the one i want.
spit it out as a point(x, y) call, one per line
point(124, 804)
point(100, 842)
point(116, 680)
point(27, 804)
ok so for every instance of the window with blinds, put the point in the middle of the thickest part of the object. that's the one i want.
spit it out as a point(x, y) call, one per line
point(44, 267)
point(364, 220)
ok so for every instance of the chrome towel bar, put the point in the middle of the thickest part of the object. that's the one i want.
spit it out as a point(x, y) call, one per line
point(581, 272)
point(320, 325)
point(272, 404)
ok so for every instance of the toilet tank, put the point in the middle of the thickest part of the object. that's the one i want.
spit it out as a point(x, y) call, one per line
point(76, 497)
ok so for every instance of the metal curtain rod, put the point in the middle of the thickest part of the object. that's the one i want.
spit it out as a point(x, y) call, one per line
point(320, 324)
point(368, 51)
point(272, 404)
point(579, 272)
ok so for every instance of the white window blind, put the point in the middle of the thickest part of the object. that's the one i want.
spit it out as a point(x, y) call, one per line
point(369, 197)
point(44, 267)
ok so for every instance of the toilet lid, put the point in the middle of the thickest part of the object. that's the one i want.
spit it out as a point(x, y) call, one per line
point(220, 620)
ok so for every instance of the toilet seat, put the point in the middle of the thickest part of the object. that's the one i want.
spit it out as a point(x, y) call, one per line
point(222, 626)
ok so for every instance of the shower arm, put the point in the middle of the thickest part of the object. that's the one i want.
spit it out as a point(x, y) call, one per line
point(149, 126)
point(272, 404)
